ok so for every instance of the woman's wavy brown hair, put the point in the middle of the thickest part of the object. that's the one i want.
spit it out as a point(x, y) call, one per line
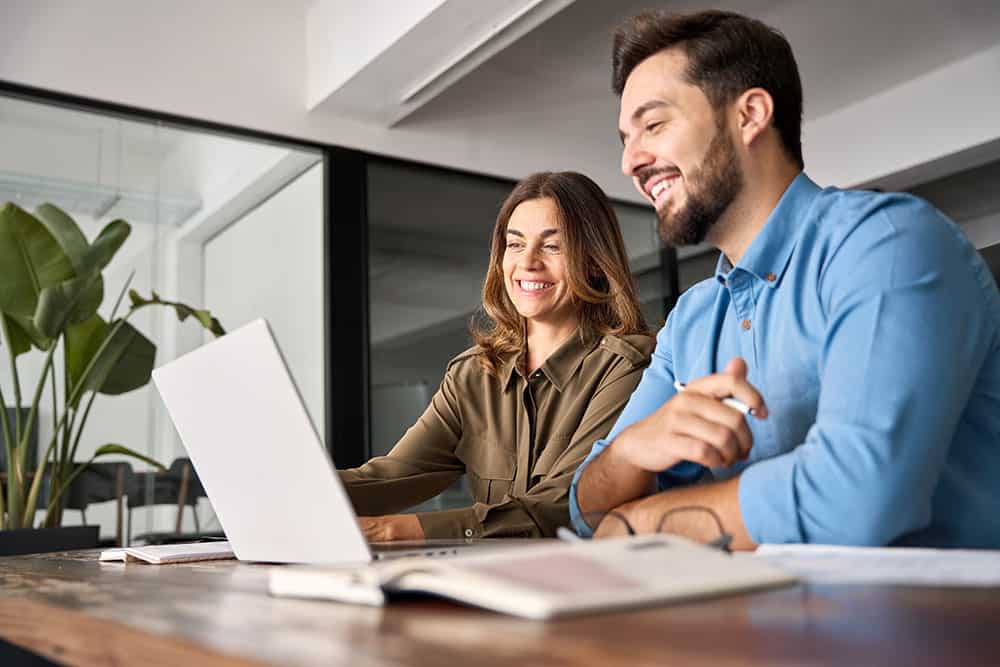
point(597, 271)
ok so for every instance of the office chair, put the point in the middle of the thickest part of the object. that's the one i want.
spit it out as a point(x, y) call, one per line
point(179, 486)
point(100, 482)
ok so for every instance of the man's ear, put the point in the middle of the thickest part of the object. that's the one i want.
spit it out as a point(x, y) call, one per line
point(755, 113)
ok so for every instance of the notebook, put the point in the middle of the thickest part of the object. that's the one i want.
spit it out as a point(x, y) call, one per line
point(161, 554)
point(545, 581)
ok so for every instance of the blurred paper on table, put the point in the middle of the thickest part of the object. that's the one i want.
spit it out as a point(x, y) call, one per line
point(819, 563)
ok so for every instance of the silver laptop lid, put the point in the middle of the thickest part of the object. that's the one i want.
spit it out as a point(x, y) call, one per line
point(268, 476)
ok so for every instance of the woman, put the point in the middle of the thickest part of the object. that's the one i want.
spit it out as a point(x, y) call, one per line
point(562, 349)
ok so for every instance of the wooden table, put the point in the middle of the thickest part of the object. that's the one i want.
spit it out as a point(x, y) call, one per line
point(70, 608)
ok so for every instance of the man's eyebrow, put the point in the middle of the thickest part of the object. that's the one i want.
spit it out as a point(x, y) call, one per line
point(642, 110)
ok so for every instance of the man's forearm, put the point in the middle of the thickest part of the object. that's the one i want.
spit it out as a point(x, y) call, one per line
point(722, 498)
point(610, 480)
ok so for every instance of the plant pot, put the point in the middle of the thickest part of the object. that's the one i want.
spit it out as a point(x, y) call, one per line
point(44, 540)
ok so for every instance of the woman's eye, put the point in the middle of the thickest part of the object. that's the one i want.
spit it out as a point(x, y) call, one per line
point(513, 244)
point(551, 247)
point(655, 125)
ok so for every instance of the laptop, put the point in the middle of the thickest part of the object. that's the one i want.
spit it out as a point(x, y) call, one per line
point(270, 480)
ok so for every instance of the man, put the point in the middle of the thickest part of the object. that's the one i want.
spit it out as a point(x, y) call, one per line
point(861, 329)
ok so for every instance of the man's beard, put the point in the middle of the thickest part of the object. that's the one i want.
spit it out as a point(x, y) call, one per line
point(711, 189)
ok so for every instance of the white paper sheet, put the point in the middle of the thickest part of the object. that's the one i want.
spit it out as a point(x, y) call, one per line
point(818, 563)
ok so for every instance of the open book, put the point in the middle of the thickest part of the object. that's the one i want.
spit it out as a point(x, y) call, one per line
point(161, 554)
point(544, 581)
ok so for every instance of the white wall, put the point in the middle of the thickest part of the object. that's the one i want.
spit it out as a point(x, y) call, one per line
point(270, 264)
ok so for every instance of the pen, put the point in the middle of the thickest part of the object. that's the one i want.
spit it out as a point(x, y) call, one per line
point(567, 535)
point(734, 403)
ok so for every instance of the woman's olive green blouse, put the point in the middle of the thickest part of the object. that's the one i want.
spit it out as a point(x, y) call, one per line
point(519, 439)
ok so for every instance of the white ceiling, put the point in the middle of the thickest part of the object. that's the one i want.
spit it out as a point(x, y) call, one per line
point(558, 76)
point(846, 51)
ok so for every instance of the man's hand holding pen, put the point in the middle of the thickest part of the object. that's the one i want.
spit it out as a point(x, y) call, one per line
point(704, 423)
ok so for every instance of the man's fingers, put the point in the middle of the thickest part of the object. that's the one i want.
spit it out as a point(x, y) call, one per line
point(737, 367)
point(715, 411)
point(697, 451)
point(716, 435)
point(725, 385)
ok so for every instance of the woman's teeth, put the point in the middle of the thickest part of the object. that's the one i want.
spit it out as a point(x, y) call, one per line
point(528, 286)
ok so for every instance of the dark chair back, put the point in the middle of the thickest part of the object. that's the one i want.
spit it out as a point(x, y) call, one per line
point(164, 488)
point(100, 482)
point(179, 486)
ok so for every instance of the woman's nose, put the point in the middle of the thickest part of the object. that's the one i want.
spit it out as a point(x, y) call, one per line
point(530, 260)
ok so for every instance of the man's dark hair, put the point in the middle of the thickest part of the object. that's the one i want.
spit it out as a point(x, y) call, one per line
point(727, 55)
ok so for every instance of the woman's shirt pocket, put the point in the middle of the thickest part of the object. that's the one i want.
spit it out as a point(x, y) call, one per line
point(490, 468)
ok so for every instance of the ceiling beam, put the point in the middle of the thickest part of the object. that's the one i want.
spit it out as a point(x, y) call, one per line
point(382, 60)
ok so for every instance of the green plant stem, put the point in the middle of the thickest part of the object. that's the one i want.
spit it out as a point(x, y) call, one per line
point(55, 417)
point(9, 450)
point(67, 427)
point(12, 518)
point(8, 436)
point(22, 445)
point(79, 431)
point(57, 493)
point(93, 395)
point(52, 520)
point(86, 412)
point(17, 381)
point(55, 398)
point(36, 483)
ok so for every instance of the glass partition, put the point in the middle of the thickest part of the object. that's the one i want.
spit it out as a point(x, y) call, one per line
point(219, 222)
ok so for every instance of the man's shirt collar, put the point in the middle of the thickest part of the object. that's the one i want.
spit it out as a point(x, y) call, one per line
point(768, 254)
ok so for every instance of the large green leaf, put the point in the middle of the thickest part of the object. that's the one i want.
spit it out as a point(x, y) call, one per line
point(30, 260)
point(67, 234)
point(71, 302)
point(183, 311)
point(23, 329)
point(81, 343)
point(107, 243)
point(112, 448)
point(126, 363)
point(20, 339)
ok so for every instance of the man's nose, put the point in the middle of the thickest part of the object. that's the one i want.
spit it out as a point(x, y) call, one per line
point(635, 157)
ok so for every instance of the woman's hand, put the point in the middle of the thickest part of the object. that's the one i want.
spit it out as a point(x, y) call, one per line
point(391, 527)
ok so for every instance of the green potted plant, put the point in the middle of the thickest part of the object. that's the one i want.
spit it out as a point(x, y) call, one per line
point(51, 287)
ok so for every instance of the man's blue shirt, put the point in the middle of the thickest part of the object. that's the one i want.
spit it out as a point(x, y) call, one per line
point(871, 327)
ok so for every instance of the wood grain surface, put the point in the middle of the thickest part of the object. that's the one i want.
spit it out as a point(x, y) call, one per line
point(72, 609)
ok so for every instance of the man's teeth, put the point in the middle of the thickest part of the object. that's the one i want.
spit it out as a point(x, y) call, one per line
point(661, 187)
point(533, 286)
